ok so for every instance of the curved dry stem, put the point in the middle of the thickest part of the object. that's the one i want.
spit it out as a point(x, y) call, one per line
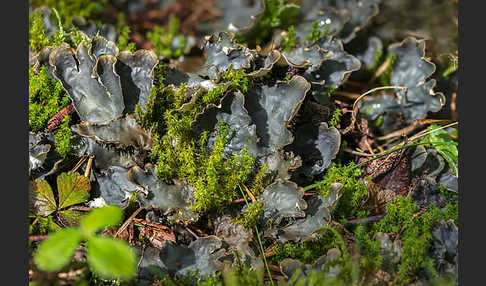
point(355, 105)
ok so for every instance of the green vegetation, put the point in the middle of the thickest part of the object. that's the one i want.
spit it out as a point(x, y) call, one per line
point(336, 117)
point(107, 257)
point(277, 14)
point(415, 232)
point(249, 217)
point(72, 189)
point(449, 152)
point(316, 32)
point(63, 138)
point(288, 40)
point(353, 192)
point(370, 259)
point(385, 76)
point(71, 8)
point(168, 43)
point(37, 37)
point(214, 177)
point(123, 31)
point(46, 98)
point(306, 252)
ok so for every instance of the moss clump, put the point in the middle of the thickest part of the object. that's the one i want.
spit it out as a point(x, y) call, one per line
point(385, 76)
point(37, 37)
point(370, 259)
point(315, 33)
point(248, 218)
point(288, 40)
point(217, 178)
point(46, 98)
point(236, 78)
point(63, 138)
point(352, 193)
point(336, 117)
point(307, 251)
point(415, 232)
point(123, 31)
point(71, 8)
point(168, 42)
point(277, 14)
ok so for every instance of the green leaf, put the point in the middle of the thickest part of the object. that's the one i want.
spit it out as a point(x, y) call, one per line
point(43, 199)
point(58, 249)
point(70, 217)
point(111, 258)
point(100, 218)
point(73, 189)
point(449, 152)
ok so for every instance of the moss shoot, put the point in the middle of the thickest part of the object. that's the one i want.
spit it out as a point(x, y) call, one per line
point(46, 98)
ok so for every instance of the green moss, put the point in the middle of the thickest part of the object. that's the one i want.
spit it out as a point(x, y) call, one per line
point(71, 8)
point(37, 37)
point(415, 234)
point(385, 76)
point(288, 40)
point(63, 137)
point(257, 187)
point(123, 31)
point(369, 250)
point(353, 192)
point(237, 79)
point(306, 252)
point(46, 98)
point(163, 39)
point(336, 117)
point(316, 32)
point(217, 178)
point(249, 217)
point(330, 90)
point(277, 14)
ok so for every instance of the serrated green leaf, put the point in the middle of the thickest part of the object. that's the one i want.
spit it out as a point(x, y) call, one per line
point(111, 258)
point(71, 217)
point(73, 189)
point(58, 249)
point(449, 152)
point(44, 202)
point(97, 219)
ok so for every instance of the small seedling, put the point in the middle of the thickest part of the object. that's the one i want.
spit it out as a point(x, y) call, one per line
point(107, 257)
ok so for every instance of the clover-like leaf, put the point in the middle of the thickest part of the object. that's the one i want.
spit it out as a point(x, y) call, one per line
point(89, 78)
point(272, 107)
point(111, 258)
point(58, 249)
point(318, 145)
point(283, 199)
point(222, 53)
point(122, 132)
point(136, 74)
point(72, 188)
point(113, 186)
point(42, 198)
point(100, 218)
point(168, 198)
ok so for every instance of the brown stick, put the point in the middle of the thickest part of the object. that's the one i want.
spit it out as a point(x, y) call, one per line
point(127, 222)
point(88, 167)
point(37, 237)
